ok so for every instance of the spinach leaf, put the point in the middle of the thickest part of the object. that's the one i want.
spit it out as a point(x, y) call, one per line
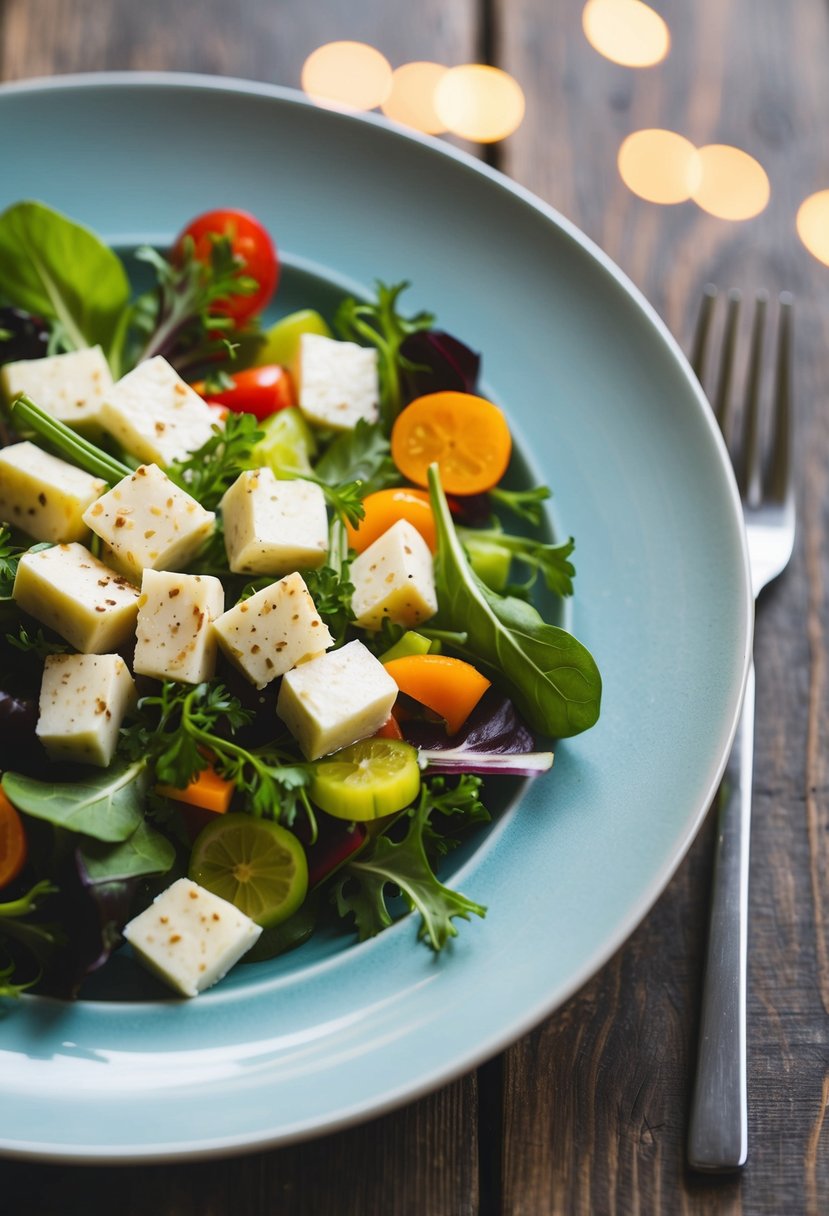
point(59, 270)
point(552, 678)
point(108, 806)
point(146, 851)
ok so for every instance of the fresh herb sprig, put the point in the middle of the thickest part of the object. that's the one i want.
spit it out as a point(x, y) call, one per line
point(16, 929)
point(361, 888)
point(209, 471)
point(36, 644)
point(184, 728)
point(550, 561)
point(524, 503)
point(378, 323)
point(183, 320)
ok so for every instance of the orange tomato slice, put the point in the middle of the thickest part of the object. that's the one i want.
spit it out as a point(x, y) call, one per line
point(450, 687)
point(13, 847)
point(385, 508)
point(467, 436)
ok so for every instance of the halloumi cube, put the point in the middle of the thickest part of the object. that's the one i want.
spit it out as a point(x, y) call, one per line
point(336, 699)
point(337, 382)
point(70, 591)
point(148, 523)
point(155, 415)
point(71, 387)
point(174, 633)
point(394, 579)
point(189, 937)
point(274, 527)
point(271, 632)
point(83, 699)
point(43, 495)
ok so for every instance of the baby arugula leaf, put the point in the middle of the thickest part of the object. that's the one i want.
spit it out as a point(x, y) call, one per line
point(552, 678)
point(360, 889)
point(145, 852)
point(360, 455)
point(61, 271)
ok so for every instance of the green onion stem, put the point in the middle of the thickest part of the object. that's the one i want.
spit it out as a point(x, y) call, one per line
point(67, 443)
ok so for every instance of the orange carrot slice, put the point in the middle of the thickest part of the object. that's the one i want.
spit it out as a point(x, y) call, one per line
point(450, 687)
point(207, 790)
point(13, 846)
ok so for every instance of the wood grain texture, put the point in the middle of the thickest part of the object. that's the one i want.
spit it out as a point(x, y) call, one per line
point(596, 1100)
point(594, 1113)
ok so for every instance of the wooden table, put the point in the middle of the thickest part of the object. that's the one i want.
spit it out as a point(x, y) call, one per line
point(588, 1114)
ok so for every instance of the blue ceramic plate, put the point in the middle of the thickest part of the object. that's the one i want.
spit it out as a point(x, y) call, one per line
point(606, 411)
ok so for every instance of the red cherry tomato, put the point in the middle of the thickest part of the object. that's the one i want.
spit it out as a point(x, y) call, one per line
point(258, 390)
point(249, 241)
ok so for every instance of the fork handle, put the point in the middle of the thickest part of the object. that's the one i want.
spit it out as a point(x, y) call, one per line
point(718, 1134)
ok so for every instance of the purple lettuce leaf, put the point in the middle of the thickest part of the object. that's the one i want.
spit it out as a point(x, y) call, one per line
point(438, 362)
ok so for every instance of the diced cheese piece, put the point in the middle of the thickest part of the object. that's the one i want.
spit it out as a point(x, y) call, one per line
point(43, 495)
point(155, 415)
point(394, 578)
point(337, 382)
point(271, 632)
point(274, 527)
point(148, 523)
point(174, 634)
point(336, 699)
point(83, 699)
point(71, 387)
point(70, 591)
point(189, 937)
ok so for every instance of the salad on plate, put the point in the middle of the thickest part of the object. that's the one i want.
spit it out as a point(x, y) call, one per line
point(268, 622)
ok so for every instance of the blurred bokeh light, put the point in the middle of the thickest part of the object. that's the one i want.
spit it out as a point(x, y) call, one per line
point(813, 225)
point(412, 97)
point(660, 166)
point(351, 75)
point(479, 103)
point(626, 31)
point(733, 185)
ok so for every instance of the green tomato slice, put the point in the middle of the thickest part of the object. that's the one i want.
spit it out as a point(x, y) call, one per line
point(255, 864)
point(368, 780)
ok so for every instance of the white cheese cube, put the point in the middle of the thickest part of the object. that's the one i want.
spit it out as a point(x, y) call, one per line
point(155, 415)
point(43, 495)
point(71, 387)
point(83, 699)
point(271, 632)
point(337, 382)
point(336, 699)
point(148, 523)
point(70, 591)
point(274, 527)
point(394, 578)
point(189, 937)
point(174, 634)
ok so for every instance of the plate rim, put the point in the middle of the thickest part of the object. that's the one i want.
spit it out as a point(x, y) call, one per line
point(647, 897)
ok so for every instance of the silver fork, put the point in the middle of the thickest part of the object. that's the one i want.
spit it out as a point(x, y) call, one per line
point(718, 1131)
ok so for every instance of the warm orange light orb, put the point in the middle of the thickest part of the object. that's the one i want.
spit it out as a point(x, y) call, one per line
point(626, 31)
point(813, 225)
point(412, 97)
point(479, 102)
point(733, 185)
point(350, 75)
point(660, 166)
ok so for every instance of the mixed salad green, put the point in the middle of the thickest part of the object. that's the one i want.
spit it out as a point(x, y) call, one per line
point(333, 787)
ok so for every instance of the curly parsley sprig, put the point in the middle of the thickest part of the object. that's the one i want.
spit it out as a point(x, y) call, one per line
point(184, 728)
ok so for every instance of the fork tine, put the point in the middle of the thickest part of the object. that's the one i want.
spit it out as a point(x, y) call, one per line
point(699, 350)
point(749, 476)
point(780, 476)
point(723, 395)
